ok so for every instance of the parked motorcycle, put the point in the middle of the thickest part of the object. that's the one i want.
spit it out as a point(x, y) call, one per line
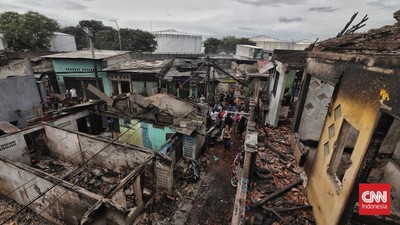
point(192, 172)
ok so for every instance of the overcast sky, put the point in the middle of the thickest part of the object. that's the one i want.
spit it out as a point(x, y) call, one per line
point(284, 19)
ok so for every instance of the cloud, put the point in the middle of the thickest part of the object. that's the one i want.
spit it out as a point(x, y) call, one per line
point(290, 20)
point(247, 28)
point(271, 2)
point(323, 9)
point(380, 4)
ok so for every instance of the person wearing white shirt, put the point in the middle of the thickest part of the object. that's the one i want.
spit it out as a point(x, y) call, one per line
point(74, 96)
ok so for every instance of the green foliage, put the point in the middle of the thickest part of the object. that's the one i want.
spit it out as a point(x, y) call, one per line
point(138, 40)
point(227, 44)
point(211, 45)
point(30, 31)
point(107, 37)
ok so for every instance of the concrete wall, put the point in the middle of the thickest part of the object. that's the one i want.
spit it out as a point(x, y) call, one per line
point(171, 43)
point(328, 195)
point(62, 43)
point(80, 68)
point(145, 134)
point(246, 51)
point(18, 97)
point(281, 45)
point(74, 146)
point(275, 102)
point(14, 147)
point(73, 202)
point(69, 122)
point(319, 95)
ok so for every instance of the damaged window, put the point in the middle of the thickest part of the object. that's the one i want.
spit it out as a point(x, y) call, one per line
point(341, 156)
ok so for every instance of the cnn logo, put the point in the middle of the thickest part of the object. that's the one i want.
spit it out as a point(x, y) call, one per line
point(374, 199)
point(372, 196)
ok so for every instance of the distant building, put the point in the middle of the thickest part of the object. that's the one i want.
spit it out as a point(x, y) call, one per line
point(62, 43)
point(249, 51)
point(270, 43)
point(76, 69)
point(172, 41)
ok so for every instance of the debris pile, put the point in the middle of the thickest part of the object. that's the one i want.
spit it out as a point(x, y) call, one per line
point(97, 180)
point(8, 207)
point(277, 195)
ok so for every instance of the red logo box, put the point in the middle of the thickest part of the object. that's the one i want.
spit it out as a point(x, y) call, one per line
point(374, 199)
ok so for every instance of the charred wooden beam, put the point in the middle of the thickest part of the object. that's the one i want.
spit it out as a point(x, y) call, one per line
point(273, 149)
point(277, 193)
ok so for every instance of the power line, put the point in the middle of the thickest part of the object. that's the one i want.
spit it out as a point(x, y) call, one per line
point(59, 182)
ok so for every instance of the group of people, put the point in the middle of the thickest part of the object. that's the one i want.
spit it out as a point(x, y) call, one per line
point(227, 116)
point(70, 98)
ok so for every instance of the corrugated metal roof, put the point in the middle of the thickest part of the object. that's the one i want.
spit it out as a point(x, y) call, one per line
point(86, 54)
point(173, 32)
point(172, 105)
point(139, 66)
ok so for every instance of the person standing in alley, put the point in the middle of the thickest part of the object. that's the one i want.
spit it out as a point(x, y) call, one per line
point(226, 132)
point(228, 120)
point(74, 96)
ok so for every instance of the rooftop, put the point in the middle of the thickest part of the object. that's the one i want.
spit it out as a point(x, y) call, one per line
point(86, 54)
point(173, 32)
point(294, 58)
point(140, 66)
point(383, 41)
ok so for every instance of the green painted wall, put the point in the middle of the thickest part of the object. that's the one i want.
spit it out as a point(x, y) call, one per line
point(290, 79)
point(80, 68)
point(144, 134)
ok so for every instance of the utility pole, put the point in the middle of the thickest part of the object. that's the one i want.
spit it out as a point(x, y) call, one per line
point(119, 34)
point(96, 75)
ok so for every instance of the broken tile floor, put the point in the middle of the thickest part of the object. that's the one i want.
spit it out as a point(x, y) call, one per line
point(275, 169)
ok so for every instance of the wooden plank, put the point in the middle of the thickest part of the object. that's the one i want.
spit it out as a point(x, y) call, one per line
point(138, 191)
point(276, 193)
point(101, 95)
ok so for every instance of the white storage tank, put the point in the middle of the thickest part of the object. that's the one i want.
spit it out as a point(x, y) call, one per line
point(62, 42)
point(172, 41)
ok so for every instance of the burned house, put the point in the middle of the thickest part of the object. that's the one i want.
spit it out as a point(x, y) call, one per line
point(70, 177)
point(80, 68)
point(347, 123)
point(161, 122)
point(186, 77)
point(138, 76)
point(284, 83)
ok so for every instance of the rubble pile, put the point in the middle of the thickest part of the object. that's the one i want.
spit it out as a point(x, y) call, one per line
point(9, 207)
point(97, 180)
point(277, 195)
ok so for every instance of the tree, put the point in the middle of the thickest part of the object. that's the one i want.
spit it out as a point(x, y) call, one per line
point(227, 44)
point(138, 40)
point(30, 31)
point(212, 45)
point(107, 37)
